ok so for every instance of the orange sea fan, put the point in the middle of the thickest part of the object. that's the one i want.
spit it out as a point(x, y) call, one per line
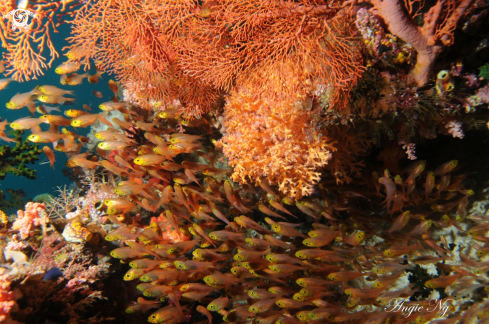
point(168, 49)
point(26, 49)
point(238, 38)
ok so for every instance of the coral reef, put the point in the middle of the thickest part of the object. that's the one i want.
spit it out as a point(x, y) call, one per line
point(14, 160)
point(251, 168)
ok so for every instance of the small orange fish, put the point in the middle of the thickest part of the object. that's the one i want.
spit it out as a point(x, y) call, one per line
point(395, 251)
point(5, 82)
point(46, 110)
point(75, 79)
point(286, 229)
point(80, 160)
point(390, 188)
point(415, 170)
point(45, 137)
point(170, 113)
point(218, 304)
point(2, 67)
point(149, 159)
point(54, 91)
point(73, 113)
point(67, 67)
point(49, 154)
point(400, 222)
point(446, 168)
point(442, 282)
point(21, 100)
point(94, 78)
point(25, 123)
point(113, 86)
point(344, 275)
point(87, 107)
point(110, 105)
point(2, 132)
point(55, 120)
point(53, 99)
point(89, 119)
point(218, 280)
point(264, 209)
point(325, 238)
point(75, 53)
point(97, 94)
point(429, 185)
point(201, 309)
point(388, 267)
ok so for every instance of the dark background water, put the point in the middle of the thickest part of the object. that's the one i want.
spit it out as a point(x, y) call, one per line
point(48, 179)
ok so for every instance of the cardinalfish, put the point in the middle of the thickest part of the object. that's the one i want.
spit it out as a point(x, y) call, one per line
point(46, 110)
point(170, 113)
point(110, 105)
point(80, 160)
point(89, 119)
point(55, 120)
point(119, 204)
point(45, 137)
point(21, 100)
point(50, 155)
point(149, 159)
point(446, 168)
point(5, 82)
point(53, 99)
point(54, 91)
point(94, 78)
point(25, 123)
point(73, 79)
point(73, 113)
point(67, 67)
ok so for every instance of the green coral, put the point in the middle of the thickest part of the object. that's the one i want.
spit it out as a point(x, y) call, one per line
point(484, 71)
point(15, 159)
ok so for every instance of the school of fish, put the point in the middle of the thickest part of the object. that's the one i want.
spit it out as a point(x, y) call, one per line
point(218, 251)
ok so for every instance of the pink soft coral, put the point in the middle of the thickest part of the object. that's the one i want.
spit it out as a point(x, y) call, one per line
point(28, 218)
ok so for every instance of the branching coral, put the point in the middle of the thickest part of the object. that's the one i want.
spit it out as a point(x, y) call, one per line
point(14, 160)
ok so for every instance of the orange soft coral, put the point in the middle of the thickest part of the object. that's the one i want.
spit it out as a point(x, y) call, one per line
point(274, 138)
point(28, 218)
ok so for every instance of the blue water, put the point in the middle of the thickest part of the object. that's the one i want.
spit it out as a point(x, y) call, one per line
point(48, 179)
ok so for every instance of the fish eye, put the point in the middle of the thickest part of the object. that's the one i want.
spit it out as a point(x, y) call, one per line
point(129, 310)
point(333, 278)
